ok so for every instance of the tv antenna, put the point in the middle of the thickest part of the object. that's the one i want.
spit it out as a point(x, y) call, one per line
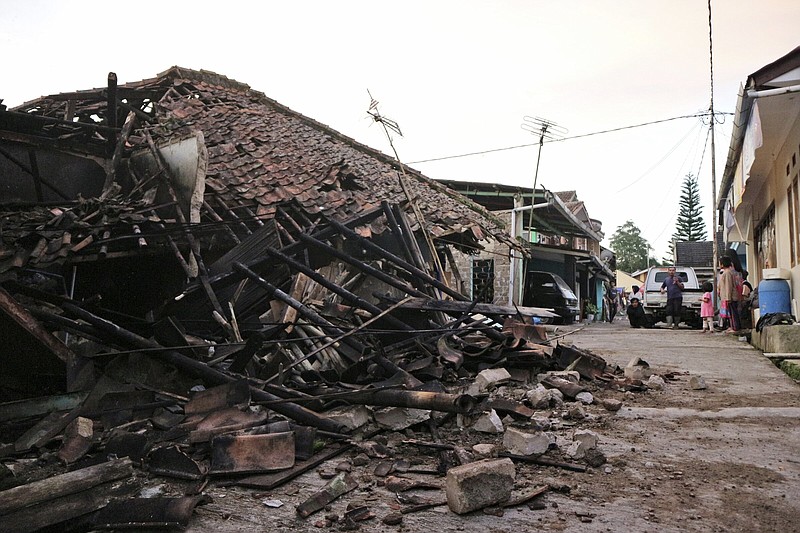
point(545, 129)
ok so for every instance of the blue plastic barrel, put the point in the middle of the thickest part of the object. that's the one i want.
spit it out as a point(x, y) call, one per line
point(774, 296)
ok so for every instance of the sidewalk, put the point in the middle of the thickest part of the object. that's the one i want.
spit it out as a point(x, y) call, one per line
point(726, 458)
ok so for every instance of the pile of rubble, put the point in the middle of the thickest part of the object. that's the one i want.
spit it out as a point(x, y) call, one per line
point(201, 289)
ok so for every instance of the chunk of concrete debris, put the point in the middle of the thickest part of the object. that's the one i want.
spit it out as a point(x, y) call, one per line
point(576, 412)
point(489, 422)
point(540, 423)
point(399, 418)
point(351, 416)
point(570, 375)
point(655, 382)
point(587, 437)
point(480, 484)
point(490, 378)
point(697, 383)
point(539, 397)
point(484, 450)
point(556, 398)
point(585, 398)
point(521, 442)
point(582, 442)
point(637, 369)
point(611, 404)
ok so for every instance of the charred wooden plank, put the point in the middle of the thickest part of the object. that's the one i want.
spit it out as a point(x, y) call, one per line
point(293, 411)
point(12, 500)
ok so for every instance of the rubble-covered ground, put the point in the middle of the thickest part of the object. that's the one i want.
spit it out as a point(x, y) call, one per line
point(706, 439)
point(723, 458)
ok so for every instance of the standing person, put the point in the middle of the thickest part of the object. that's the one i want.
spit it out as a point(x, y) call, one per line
point(707, 308)
point(746, 303)
point(729, 293)
point(673, 286)
point(611, 301)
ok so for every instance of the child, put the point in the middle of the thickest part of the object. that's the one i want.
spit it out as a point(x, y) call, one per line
point(707, 308)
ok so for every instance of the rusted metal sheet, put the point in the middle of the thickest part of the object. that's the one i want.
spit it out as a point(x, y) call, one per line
point(589, 365)
point(133, 445)
point(225, 421)
point(242, 454)
point(525, 330)
point(172, 462)
point(226, 395)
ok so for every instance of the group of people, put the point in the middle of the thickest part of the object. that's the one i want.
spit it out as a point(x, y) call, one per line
point(734, 294)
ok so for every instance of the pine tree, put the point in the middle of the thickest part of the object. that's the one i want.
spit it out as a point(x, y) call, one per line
point(691, 227)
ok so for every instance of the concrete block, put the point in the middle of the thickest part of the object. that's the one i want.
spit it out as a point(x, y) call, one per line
point(485, 450)
point(780, 338)
point(489, 422)
point(491, 377)
point(539, 397)
point(399, 418)
point(480, 484)
point(521, 442)
point(656, 382)
point(588, 438)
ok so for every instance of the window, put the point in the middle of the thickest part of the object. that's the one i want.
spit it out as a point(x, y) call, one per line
point(483, 280)
point(765, 241)
point(790, 203)
point(794, 219)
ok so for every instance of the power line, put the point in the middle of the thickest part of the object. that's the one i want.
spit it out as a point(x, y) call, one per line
point(482, 152)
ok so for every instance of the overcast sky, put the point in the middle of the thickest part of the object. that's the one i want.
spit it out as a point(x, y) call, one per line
point(458, 77)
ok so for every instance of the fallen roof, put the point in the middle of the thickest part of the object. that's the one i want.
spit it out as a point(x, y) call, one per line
point(261, 153)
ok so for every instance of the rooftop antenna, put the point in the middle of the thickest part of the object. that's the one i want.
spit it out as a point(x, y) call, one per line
point(545, 129)
point(390, 125)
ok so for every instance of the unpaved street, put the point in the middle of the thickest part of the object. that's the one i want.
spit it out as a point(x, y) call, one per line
point(726, 458)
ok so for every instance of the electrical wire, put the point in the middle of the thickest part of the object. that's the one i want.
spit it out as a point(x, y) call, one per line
point(658, 163)
point(612, 130)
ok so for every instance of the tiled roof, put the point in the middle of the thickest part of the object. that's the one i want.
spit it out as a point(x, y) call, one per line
point(262, 153)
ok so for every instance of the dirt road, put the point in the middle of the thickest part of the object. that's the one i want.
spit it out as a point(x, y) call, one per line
point(726, 458)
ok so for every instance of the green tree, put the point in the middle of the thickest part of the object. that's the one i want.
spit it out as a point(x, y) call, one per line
point(631, 249)
point(691, 227)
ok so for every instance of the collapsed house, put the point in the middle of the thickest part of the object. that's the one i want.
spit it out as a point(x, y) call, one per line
point(186, 232)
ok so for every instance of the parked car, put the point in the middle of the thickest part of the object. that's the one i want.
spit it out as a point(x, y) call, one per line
point(548, 290)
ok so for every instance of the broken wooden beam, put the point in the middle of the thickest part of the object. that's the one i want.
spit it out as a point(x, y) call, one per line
point(47, 490)
point(295, 412)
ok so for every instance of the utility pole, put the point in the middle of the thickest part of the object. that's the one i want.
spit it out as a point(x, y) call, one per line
point(714, 212)
point(545, 129)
